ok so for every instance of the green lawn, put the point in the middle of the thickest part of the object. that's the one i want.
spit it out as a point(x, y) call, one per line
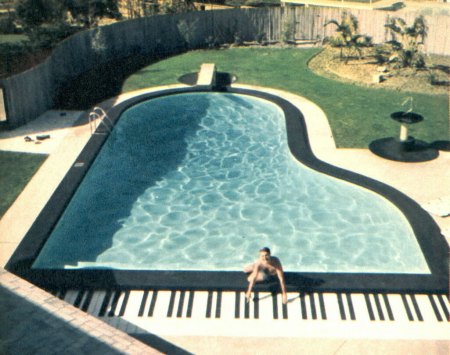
point(357, 114)
point(16, 170)
point(12, 38)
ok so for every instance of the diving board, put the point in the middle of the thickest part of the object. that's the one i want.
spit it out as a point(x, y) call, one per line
point(207, 76)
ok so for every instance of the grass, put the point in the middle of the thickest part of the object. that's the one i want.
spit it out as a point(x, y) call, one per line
point(12, 38)
point(17, 170)
point(357, 115)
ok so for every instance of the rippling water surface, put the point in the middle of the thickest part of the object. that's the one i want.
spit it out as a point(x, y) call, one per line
point(203, 181)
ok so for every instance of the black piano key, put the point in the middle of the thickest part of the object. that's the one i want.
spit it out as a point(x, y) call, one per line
point(105, 303)
point(181, 304)
point(209, 304)
point(351, 309)
point(247, 309)
point(407, 309)
point(114, 304)
point(444, 307)
point(218, 303)
point(61, 294)
point(303, 306)
point(87, 300)
point(143, 303)
point(378, 305)
point(435, 308)
point(256, 306)
point(124, 304)
point(190, 305)
point(388, 307)
point(341, 306)
point(284, 309)
point(79, 298)
point(171, 303)
point(369, 307)
point(322, 306)
point(237, 305)
point(416, 308)
point(151, 309)
point(312, 303)
point(275, 305)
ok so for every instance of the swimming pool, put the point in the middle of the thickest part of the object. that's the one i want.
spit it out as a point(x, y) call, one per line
point(200, 181)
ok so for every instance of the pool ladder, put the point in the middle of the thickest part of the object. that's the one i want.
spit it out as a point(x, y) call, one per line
point(97, 117)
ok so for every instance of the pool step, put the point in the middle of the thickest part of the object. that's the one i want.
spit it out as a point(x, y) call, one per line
point(215, 312)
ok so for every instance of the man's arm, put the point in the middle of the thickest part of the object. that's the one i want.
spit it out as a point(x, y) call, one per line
point(251, 280)
point(280, 275)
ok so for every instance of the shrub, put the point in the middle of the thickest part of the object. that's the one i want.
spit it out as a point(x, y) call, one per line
point(347, 36)
point(407, 43)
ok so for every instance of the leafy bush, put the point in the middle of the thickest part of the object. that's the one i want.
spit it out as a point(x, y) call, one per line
point(406, 47)
point(347, 36)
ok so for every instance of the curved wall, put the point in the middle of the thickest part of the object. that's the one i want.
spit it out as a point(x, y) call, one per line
point(29, 94)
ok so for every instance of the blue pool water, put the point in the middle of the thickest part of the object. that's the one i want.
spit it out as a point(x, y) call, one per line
point(203, 181)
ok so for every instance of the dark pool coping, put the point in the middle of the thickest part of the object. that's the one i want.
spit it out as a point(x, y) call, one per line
point(432, 243)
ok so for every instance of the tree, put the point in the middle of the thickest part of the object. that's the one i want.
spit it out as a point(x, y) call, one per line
point(407, 42)
point(88, 12)
point(348, 37)
point(33, 13)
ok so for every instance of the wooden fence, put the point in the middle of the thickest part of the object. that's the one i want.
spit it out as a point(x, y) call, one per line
point(29, 94)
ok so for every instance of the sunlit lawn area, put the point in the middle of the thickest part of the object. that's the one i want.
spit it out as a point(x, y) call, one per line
point(12, 38)
point(357, 114)
point(16, 170)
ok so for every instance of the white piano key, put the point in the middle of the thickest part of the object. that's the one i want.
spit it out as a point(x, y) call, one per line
point(294, 308)
point(398, 308)
point(265, 306)
point(332, 307)
point(360, 307)
point(119, 303)
point(96, 302)
point(71, 296)
point(228, 305)
point(199, 305)
point(133, 304)
point(162, 304)
point(426, 308)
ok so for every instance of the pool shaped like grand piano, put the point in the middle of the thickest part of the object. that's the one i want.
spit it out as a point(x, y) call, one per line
point(201, 181)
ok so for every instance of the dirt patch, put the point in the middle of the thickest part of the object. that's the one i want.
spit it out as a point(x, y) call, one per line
point(435, 79)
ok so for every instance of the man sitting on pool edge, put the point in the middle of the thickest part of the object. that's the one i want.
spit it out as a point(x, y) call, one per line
point(266, 268)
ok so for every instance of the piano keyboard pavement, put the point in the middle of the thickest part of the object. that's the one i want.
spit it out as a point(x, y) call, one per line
point(228, 313)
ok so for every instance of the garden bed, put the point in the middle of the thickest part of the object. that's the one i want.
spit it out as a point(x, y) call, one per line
point(433, 80)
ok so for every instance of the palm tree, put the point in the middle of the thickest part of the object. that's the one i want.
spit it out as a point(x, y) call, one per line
point(348, 37)
point(407, 41)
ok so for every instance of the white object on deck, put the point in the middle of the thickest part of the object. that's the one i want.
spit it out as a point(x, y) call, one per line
point(207, 75)
point(439, 207)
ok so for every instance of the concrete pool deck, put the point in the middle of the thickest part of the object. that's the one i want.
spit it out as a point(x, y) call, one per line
point(67, 141)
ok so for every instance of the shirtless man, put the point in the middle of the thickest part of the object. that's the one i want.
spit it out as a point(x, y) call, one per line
point(263, 269)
